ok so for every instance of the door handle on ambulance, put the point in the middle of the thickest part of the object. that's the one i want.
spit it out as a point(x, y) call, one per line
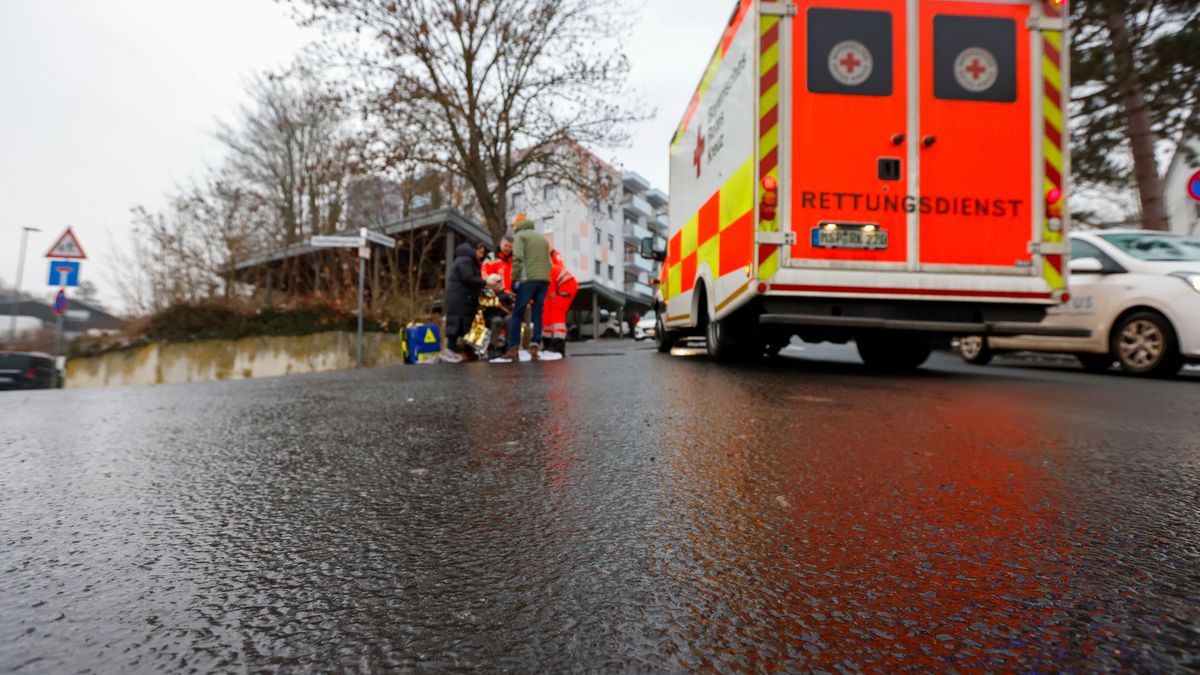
point(928, 141)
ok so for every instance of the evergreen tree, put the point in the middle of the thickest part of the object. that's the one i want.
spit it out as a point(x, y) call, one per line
point(1136, 82)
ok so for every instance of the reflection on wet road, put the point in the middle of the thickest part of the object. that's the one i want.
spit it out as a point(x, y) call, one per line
point(619, 509)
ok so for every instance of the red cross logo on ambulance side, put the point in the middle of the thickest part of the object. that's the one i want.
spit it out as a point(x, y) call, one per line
point(850, 63)
point(976, 69)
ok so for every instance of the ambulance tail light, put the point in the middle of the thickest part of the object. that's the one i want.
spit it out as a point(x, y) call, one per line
point(770, 199)
point(1054, 207)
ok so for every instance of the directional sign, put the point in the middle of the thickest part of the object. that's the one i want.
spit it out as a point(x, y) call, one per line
point(337, 242)
point(377, 238)
point(64, 273)
point(60, 302)
point(67, 246)
point(1194, 186)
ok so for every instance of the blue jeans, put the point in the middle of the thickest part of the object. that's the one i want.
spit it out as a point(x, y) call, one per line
point(528, 291)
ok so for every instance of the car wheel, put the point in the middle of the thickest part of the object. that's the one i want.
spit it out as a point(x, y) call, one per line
point(1145, 344)
point(1095, 363)
point(975, 350)
point(892, 353)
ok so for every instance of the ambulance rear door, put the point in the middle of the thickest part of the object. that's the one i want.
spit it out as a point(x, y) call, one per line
point(846, 172)
point(975, 141)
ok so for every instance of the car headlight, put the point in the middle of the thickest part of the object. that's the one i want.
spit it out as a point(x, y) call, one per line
point(1190, 278)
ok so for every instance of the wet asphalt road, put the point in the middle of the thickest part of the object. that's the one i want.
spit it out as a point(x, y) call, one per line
point(619, 510)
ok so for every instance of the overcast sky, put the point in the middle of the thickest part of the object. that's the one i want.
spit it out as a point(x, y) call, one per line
point(112, 103)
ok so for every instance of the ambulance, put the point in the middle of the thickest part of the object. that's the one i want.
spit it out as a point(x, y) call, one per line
point(891, 172)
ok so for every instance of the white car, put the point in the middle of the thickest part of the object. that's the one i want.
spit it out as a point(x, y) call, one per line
point(1138, 292)
point(647, 327)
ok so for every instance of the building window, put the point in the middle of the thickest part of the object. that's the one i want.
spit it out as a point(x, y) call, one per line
point(597, 238)
point(610, 273)
point(548, 192)
point(610, 242)
point(597, 268)
point(518, 200)
point(610, 212)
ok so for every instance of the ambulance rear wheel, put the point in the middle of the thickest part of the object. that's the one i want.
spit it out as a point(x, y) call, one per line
point(718, 338)
point(892, 353)
point(662, 339)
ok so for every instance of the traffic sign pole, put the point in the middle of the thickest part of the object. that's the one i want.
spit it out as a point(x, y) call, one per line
point(362, 270)
point(363, 244)
point(57, 350)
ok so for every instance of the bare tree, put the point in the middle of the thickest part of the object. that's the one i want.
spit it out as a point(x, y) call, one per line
point(492, 89)
point(290, 147)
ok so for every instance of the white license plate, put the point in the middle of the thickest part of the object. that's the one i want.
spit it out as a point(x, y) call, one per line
point(849, 237)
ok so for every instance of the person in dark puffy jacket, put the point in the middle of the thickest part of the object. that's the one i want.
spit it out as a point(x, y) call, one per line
point(462, 296)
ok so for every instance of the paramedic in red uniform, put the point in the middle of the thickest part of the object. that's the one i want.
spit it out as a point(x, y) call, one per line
point(501, 263)
point(563, 287)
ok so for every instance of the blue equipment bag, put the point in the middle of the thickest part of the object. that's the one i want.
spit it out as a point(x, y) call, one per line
point(422, 341)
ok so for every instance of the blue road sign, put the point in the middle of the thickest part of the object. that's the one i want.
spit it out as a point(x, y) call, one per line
point(1194, 186)
point(60, 302)
point(64, 273)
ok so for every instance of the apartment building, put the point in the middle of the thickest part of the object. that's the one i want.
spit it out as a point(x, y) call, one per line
point(599, 236)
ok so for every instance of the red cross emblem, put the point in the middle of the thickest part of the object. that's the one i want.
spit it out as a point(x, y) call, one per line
point(850, 63)
point(976, 69)
point(699, 156)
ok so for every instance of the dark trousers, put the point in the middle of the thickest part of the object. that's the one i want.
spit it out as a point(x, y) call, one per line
point(527, 292)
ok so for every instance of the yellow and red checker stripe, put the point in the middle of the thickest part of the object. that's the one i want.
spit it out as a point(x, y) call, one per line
point(720, 235)
point(1055, 130)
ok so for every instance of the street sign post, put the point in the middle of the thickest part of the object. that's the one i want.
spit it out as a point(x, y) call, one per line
point(377, 238)
point(64, 273)
point(337, 242)
point(363, 244)
point(68, 247)
point(60, 308)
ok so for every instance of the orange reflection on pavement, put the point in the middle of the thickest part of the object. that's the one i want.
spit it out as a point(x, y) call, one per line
point(864, 528)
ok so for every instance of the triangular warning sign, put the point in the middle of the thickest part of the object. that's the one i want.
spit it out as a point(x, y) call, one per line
point(429, 336)
point(67, 246)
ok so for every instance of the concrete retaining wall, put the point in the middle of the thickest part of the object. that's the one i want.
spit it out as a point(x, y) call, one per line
point(169, 363)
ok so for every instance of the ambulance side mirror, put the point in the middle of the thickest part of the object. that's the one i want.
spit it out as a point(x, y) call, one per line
point(647, 250)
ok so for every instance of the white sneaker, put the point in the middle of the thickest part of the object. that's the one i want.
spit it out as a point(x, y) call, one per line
point(451, 357)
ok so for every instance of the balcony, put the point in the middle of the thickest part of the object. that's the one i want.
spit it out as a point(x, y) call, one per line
point(638, 288)
point(633, 262)
point(636, 206)
point(656, 198)
point(634, 234)
point(658, 222)
point(634, 182)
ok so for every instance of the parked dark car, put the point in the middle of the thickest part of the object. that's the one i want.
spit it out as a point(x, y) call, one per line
point(26, 370)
